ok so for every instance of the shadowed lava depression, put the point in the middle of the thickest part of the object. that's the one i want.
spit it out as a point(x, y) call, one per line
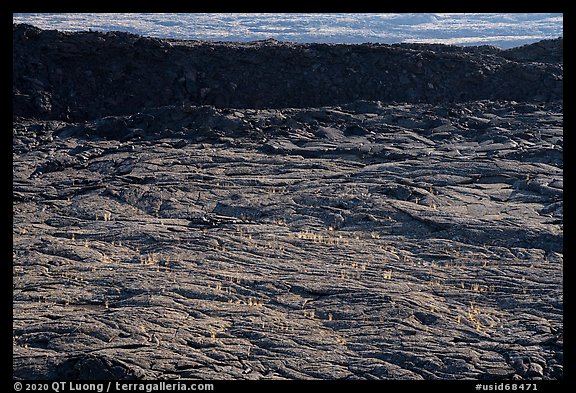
point(272, 210)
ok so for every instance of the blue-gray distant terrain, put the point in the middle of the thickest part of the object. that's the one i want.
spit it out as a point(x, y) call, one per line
point(501, 30)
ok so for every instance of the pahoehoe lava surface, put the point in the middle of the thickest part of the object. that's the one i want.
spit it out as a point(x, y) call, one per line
point(285, 211)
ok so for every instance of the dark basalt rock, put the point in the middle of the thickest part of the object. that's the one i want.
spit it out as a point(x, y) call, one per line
point(81, 76)
point(269, 211)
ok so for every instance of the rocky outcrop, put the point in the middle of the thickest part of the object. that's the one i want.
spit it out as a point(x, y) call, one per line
point(80, 76)
point(323, 237)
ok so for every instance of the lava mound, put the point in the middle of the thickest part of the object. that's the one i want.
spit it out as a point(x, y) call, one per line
point(87, 75)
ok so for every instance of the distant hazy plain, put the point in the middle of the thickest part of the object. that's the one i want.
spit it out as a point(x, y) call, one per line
point(502, 30)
